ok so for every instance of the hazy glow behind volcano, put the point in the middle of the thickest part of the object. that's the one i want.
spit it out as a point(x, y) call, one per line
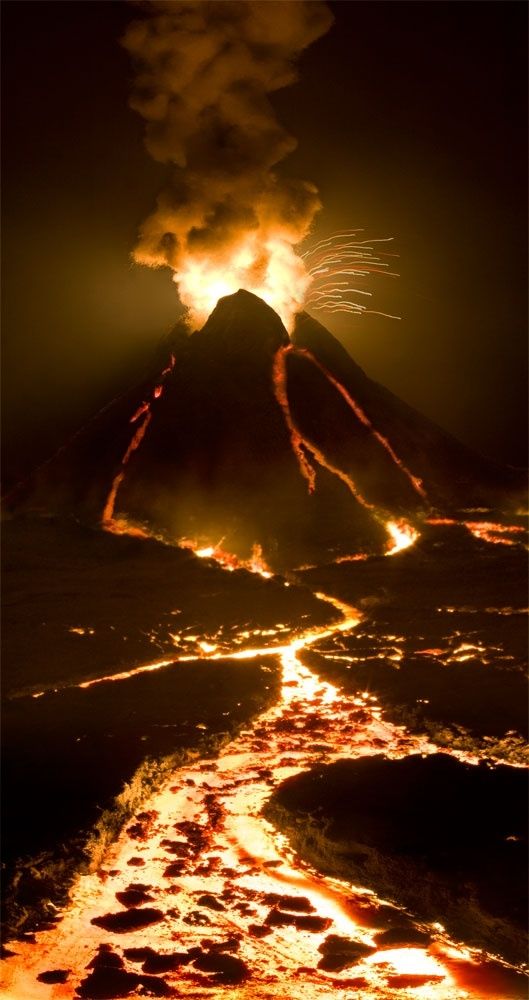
point(272, 271)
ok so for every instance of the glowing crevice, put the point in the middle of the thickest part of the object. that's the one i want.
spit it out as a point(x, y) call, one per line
point(401, 533)
point(364, 419)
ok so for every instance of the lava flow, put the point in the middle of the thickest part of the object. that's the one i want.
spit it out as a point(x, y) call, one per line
point(255, 563)
point(200, 892)
point(487, 531)
point(364, 419)
point(401, 533)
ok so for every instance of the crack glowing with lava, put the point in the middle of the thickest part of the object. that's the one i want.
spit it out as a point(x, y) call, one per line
point(299, 441)
point(219, 880)
point(120, 525)
point(486, 531)
point(227, 560)
point(279, 381)
point(401, 533)
point(108, 521)
point(495, 533)
point(364, 419)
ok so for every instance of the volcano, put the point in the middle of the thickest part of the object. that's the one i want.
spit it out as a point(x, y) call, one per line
point(158, 706)
point(242, 436)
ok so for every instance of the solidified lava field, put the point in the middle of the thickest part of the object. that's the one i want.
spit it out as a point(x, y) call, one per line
point(224, 781)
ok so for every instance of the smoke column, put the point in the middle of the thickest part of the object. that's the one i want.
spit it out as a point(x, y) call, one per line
point(226, 218)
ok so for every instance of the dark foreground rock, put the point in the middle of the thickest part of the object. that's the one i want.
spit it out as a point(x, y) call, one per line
point(129, 920)
point(109, 979)
point(443, 640)
point(445, 839)
point(339, 953)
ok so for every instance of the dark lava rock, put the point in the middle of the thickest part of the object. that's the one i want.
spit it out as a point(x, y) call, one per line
point(302, 922)
point(129, 920)
point(151, 960)
point(210, 901)
point(178, 847)
point(174, 869)
point(109, 980)
point(108, 984)
point(138, 954)
point(134, 896)
point(445, 839)
point(106, 958)
point(156, 963)
point(139, 830)
point(54, 976)
point(259, 930)
point(232, 944)
point(399, 936)
point(296, 904)
point(340, 953)
point(227, 968)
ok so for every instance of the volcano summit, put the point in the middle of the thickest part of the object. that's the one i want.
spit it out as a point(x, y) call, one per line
point(250, 437)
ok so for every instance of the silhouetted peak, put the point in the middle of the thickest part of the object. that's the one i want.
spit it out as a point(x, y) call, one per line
point(243, 321)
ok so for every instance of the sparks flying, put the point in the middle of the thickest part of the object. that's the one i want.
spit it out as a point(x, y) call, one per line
point(337, 265)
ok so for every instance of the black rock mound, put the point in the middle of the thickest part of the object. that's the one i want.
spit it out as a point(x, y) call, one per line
point(446, 839)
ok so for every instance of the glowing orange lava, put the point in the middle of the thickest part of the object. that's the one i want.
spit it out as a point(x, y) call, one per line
point(108, 512)
point(217, 872)
point(255, 563)
point(364, 419)
point(402, 536)
point(486, 531)
point(269, 267)
point(280, 388)
point(494, 533)
point(301, 442)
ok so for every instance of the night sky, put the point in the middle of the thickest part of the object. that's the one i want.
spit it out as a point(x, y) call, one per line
point(411, 119)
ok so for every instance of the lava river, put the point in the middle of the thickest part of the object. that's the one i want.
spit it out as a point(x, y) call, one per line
point(201, 896)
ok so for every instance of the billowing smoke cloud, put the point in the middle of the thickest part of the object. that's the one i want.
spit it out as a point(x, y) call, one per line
point(203, 73)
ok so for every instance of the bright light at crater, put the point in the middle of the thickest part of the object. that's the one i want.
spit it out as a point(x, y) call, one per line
point(402, 534)
point(270, 269)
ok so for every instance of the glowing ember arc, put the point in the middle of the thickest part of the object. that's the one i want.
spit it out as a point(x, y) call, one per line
point(334, 265)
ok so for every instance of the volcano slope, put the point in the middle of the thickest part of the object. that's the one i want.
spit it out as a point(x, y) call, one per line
point(249, 437)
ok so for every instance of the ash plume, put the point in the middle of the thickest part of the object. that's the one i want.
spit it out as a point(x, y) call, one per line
point(203, 71)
